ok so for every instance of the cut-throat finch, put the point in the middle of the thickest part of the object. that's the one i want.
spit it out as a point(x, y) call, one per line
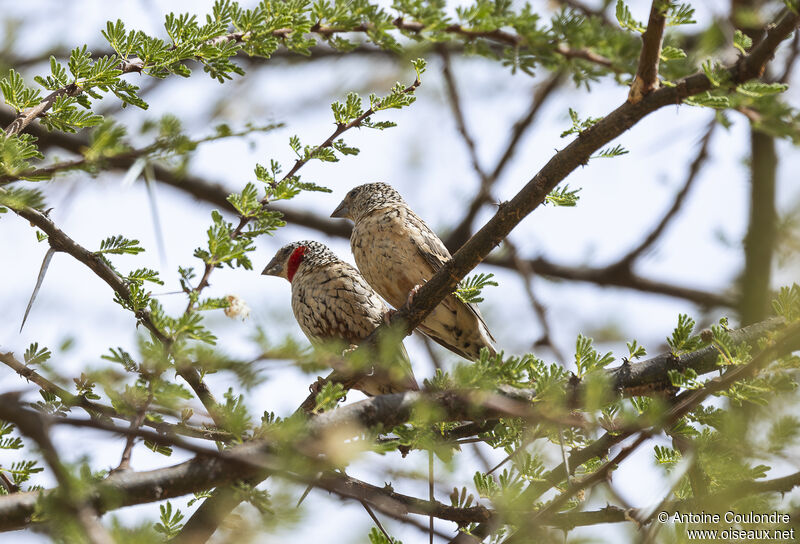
point(396, 252)
point(333, 304)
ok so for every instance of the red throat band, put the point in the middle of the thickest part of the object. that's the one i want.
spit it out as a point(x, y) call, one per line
point(294, 261)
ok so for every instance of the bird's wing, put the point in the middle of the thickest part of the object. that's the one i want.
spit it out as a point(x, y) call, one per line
point(433, 250)
point(427, 244)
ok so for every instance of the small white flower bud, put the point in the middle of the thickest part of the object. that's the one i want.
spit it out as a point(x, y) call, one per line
point(237, 308)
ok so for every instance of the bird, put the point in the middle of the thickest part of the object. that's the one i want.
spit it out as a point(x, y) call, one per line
point(397, 252)
point(333, 304)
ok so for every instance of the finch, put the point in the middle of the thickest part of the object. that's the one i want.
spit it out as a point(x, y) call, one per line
point(396, 252)
point(333, 303)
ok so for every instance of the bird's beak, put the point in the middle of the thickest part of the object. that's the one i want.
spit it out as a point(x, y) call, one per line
point(274, 268)
point(342, 210)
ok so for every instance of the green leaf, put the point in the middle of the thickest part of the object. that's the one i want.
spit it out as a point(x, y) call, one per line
point(246, 202)
point(611, 152)
point(708, 100)
point(757, 89)
point(578, 126)
point(741, 41)
point(144, 274)
point(119, 245)
point(469, 289)
point(682, 340)
point(563, 197)
point(16, 94)
point(329, 396)
point(122, 357)
point(680, 14)
point(588, 359)
point(626, 20)
point(635, 351)
point(35, 356)
point(787, 303)
point(669, 53)
point(170, 522)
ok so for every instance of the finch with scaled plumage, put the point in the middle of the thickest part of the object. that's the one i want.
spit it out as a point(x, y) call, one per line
point(396, 252)
point(332, 302)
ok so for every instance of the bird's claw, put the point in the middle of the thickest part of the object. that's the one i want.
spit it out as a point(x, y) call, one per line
point(316, 387)
point(412, 294)
point(387, 315)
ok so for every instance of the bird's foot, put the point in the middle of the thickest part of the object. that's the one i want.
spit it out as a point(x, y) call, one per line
point(316, 387)
point(412, 294)
point(387, 315)
point(349, 350)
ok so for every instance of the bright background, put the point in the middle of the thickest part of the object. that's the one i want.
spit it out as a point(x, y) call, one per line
point(425, 159)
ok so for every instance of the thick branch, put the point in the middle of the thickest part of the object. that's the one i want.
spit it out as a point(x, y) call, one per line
point(762, 229)
point(565, 161)
point(216, 194)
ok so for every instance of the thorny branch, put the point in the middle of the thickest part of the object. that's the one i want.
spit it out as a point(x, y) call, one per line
point(217, 194)
point(95, 409)
point(34, 425)
point(341, 128)
point(213, 467)
point(389, 410)
point(59, 241)
point(463, 229)
point(568, 159)
point(136, 65)
point(511, 213)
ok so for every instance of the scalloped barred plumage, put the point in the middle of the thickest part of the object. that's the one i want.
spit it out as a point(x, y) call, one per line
point(332, 302)
point(395, 251)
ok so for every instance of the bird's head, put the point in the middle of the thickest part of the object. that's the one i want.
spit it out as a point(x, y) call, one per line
point(288, 259)
point(364, 199)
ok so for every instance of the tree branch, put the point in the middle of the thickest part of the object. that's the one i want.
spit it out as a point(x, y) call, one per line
point(565, 161)
point(646, 79)
point(35, 426)
point(95, 408)
point(680, 198)
point(463, 230)
point(216, 194)
point(59, 241)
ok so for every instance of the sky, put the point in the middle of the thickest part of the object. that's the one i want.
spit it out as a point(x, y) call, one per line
point(426, 160)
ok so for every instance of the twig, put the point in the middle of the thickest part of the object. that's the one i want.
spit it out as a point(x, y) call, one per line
point(463, 229)
point(526, 274)
point(33, 425)
point(458, 114)
point(136, 422)
point(579, 6)
point(563, 163)
point(646, 79)
point(59, 241)
point(95, 409)
point(376, 520)
point(579, 485)
point(136, 65)
point(341, 128)
point(24, 118)
point(217, 194)
point(680, 197)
